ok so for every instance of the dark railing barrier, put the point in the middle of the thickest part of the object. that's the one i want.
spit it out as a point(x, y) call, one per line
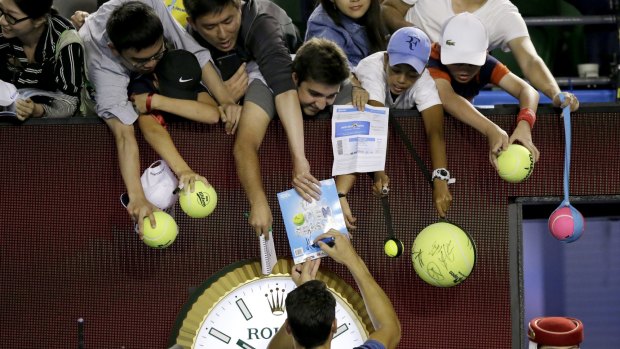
point(567, 20)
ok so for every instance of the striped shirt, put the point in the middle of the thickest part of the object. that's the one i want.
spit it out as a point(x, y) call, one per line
point(45, 73)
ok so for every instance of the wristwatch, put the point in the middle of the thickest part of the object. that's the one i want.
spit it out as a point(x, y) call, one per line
point(443, 174)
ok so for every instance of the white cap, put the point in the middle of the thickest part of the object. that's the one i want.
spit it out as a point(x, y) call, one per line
point(159, 184)
point(8, 94)
point(464, 40)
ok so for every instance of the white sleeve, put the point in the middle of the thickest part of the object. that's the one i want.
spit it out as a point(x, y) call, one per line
point(371, 74)
point(107, 75)
point(504, 23)
point(425, 92)
point(409, 2)
point(511, 26)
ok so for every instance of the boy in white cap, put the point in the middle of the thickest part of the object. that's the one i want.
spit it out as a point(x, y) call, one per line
point(507, 30)
point(461, 67)
point(398, 78)
point(555, 333)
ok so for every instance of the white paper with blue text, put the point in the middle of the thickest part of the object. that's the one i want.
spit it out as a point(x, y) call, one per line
point(359, 139)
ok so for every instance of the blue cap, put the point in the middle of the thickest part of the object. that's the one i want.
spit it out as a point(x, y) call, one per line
point(409, 45)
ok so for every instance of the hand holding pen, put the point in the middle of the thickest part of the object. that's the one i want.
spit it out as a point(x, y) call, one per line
point(329, 241)
point(341, 251)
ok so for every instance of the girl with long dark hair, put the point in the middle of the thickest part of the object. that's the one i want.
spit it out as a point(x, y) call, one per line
point(355, 25)
point(31, 30)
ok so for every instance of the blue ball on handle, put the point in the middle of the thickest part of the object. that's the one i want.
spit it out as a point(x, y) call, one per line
point(566, 223)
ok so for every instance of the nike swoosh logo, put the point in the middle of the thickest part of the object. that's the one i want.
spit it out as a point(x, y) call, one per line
point(184, 80)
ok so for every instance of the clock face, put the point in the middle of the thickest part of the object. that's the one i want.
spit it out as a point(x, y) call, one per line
point(249, 312)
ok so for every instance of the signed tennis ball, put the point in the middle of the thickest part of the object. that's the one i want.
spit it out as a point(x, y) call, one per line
point(200, 203)
point(393, 247)
point(165, 232)
point(299, 219)
point(515, 163)
point(443, 254)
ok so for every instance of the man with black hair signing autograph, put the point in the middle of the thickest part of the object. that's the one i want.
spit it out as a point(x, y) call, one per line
point(311, 319)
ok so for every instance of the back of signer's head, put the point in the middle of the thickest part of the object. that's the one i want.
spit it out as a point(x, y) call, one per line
point(311, 311)
point(134, 25)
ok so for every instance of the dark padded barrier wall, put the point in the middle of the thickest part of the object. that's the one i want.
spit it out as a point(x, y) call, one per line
point(67, 249)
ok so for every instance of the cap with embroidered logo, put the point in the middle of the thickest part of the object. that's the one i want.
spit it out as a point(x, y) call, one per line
point(409, 45)
point(8, 94)
point(159, 184)
point(464, 40)
point(179, 75)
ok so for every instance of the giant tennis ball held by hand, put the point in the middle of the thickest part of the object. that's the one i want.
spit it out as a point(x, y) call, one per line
point(165, 232)
point(515, 164)
point(201, 202)
point(443, 254)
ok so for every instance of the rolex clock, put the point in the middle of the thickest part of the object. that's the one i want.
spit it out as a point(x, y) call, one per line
point(239, 307)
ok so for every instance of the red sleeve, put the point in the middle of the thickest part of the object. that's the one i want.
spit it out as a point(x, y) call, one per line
point(437, 73)
point(435, 68)
point(498, 73)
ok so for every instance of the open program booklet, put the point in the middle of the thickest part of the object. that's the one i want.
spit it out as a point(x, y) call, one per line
point(9, 94)
point(304, 221)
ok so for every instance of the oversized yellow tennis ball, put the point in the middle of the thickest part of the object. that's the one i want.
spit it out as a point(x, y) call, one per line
point(200, 203)
point(164, 234)
point(516, 163)
point(393, 247)
point(299, 219)
point(443, 254)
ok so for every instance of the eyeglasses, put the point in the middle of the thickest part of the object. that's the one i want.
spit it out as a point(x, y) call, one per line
point(141, 62)
point(10, 19)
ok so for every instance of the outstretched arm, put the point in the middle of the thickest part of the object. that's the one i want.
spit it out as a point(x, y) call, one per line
point(393, 12)
point(160, 140)
point(344, 183)
point(129, 161)
point(231, 112)
point(433, 124)
point(380, 309)
point(252, 129)
point(287, 105)
point(528, 101)
point(538, 74)
point(204, 109)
